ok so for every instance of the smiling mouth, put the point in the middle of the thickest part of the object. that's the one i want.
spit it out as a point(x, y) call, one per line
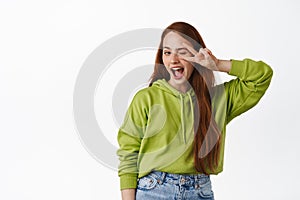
point(177, 72)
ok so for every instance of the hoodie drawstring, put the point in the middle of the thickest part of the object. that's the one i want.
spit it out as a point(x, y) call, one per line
point(182, 114)
point(192, 107)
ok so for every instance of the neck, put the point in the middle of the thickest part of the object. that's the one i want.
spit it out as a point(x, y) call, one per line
point(183, 87)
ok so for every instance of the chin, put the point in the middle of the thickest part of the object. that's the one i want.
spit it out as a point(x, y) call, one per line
point(179, 81)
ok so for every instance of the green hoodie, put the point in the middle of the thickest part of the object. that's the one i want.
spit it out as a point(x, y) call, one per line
point(157, 132)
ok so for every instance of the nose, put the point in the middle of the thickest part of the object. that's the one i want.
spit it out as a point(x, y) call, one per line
point(174, 58)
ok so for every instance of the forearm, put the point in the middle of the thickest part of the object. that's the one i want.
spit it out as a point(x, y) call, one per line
point(257, 72)
point(224, 65)
point(128, 194)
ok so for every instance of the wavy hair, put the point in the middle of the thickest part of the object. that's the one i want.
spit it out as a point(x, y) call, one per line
point(207, 134)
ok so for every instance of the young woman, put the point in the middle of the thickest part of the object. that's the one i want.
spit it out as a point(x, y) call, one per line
point(173, 134)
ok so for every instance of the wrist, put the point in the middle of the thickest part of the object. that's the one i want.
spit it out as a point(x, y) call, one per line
point(223, 65)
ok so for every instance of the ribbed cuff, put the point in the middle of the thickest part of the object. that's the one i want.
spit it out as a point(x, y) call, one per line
point(237, 68)
point(128, 181)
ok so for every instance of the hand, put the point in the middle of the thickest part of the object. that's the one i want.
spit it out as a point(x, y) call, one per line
point(204, 57)
point(128, 194)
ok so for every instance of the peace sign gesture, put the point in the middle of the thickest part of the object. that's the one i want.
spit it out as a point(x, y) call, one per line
point(204, 57)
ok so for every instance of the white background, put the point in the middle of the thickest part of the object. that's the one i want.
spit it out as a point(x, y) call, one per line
point(43, 45)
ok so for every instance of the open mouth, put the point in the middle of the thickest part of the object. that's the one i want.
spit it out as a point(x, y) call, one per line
point(177, 72)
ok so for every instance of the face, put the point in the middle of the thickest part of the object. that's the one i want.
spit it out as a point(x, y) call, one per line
point(179, 69)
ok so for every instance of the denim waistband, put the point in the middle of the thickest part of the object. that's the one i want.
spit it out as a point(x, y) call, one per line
point(181, 179)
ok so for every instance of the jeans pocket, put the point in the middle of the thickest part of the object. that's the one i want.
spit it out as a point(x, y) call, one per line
point(205, 191)
point(146, 183)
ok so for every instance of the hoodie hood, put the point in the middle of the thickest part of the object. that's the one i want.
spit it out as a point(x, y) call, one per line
point(186, 103)
point(164, 85)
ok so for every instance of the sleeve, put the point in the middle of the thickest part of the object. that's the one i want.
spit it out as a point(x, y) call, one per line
point(244, 92)
point(129, 139)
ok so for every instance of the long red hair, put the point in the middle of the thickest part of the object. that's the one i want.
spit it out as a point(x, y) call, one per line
point(207, 134)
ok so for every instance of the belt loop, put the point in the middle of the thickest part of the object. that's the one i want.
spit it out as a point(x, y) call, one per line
point(163, 175)
point(196, 184)
point(161, 178)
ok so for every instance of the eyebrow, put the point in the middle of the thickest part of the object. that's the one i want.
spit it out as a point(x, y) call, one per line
point(178, 49)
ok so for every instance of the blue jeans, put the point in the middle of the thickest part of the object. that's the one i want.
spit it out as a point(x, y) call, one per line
point(164, 186)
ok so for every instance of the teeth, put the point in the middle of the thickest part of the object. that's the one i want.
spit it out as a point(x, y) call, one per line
point(176, 68)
